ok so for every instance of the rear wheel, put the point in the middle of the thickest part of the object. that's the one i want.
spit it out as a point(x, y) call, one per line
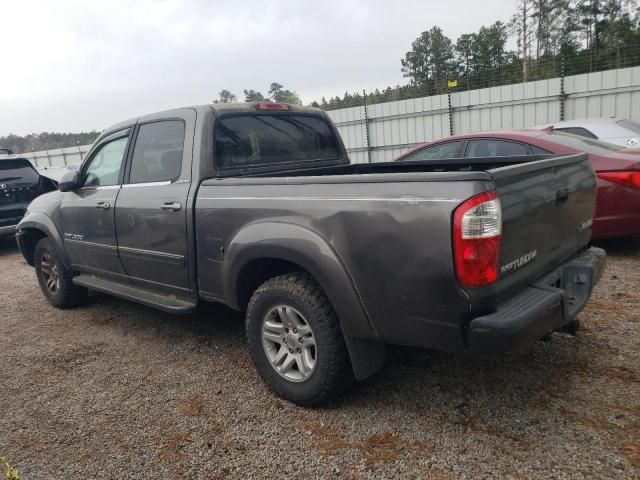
point(296, 342)
point(54, 278)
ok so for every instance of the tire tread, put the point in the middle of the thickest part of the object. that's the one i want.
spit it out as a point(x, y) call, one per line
point(70, 294)
point(338, 373)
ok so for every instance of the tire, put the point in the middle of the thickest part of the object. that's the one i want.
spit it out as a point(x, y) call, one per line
point(298, 296)
point(54, 278)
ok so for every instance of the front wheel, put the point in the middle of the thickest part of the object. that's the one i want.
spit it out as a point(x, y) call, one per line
point(296, 342)
point(54, 278)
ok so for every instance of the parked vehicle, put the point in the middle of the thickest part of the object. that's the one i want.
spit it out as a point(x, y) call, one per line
point(618, 170)
point(256, 206)
point(19, 184)
point(618, 131)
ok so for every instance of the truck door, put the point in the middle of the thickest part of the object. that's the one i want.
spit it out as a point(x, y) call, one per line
point(87, 213)
point(151, 213)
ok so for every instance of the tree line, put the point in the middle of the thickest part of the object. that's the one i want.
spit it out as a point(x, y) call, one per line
point(46, 141)
point(276, 93)
point(553, 37)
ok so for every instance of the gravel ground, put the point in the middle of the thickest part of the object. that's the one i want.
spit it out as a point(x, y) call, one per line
point(117, 390)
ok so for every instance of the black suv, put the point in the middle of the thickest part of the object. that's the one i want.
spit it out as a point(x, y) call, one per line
point(19, 184)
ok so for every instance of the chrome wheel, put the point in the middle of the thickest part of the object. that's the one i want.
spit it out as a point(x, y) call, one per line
point(50, 273)
point(289, 343)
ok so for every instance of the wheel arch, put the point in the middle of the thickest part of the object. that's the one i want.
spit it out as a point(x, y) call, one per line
point(32, 229)
point(264, 250)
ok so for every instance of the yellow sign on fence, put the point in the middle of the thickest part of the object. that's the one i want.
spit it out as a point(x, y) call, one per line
point(452, 83)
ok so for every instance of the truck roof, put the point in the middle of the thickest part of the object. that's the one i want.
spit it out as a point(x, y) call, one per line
point(244, 107)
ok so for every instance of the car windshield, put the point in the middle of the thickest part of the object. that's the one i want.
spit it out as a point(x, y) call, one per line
point(588, 145)
point(629, 125)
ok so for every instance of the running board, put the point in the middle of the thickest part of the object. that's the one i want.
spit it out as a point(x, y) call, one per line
point(169, 303)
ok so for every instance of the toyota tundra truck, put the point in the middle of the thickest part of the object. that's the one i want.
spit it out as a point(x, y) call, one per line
point(256, 206)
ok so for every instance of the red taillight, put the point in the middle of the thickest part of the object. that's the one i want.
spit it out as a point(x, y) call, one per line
point(628, 178)
point(272, 106)
point(477, 226)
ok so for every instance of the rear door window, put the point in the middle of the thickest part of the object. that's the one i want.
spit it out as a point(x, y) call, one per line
point(581, 132)
point(489, 147)
point(441, 151)
point(157, 155)
point(260, 140)
point(538, 151)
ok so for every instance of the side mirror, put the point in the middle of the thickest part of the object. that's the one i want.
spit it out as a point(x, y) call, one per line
point(69, 181)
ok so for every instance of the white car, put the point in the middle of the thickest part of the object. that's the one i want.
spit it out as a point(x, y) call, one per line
point(618, 131)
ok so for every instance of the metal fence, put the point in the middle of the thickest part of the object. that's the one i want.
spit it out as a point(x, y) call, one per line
point(380, 132)
point(54, 158)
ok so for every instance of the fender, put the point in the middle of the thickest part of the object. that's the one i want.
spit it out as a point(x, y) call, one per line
point(306, 248)
point(41, 221)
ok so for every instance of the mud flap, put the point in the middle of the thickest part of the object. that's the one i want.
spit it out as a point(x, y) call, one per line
point(367, 356)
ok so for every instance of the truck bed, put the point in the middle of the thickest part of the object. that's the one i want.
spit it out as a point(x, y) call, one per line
point(448, 165)
point(389, 224)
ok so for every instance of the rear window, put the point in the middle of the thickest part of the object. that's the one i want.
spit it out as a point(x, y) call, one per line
point(629, 125)
point(262, 140)
point(17, 169)
point(581, 132)
point(587, 145)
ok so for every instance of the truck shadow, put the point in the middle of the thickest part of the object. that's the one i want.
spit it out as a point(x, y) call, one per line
point(413, 380)
point(211, 320)
point(8, 245)
point(620, 246)
point(464, 385)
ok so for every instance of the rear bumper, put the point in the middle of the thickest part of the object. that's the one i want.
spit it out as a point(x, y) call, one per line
point(546, 305)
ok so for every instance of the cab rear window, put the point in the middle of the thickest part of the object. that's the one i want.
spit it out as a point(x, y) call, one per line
point(270, 139)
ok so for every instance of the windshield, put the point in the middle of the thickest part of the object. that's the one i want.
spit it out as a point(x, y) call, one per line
point(259, 140)
point(588, 145)
point(629, 125)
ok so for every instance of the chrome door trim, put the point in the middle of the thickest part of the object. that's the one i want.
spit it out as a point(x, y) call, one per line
point(146, 184)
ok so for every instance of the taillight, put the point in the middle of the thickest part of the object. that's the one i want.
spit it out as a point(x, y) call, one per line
point(628, 178)
point(273, 106)
point(477, 226)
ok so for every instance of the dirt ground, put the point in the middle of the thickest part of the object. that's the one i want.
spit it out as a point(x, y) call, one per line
point(117, 390)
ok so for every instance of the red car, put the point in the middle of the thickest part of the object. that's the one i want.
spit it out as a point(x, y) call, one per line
point(618, 170)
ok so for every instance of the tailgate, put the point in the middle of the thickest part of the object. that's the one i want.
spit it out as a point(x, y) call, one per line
point(547, 211)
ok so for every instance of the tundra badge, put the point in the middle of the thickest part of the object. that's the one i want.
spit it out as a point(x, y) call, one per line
point(519, 262)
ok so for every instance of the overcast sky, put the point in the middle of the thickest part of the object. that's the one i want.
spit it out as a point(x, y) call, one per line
point(79, 65)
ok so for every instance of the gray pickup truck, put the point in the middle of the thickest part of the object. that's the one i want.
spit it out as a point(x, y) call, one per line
point(256, 206)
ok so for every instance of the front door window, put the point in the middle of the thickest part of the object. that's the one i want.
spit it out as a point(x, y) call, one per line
point(104, 168)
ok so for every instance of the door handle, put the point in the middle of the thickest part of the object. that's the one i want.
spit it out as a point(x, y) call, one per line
point(172, 206)
point(103, 205)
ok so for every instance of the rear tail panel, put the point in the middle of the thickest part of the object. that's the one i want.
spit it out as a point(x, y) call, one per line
point(547, 212)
